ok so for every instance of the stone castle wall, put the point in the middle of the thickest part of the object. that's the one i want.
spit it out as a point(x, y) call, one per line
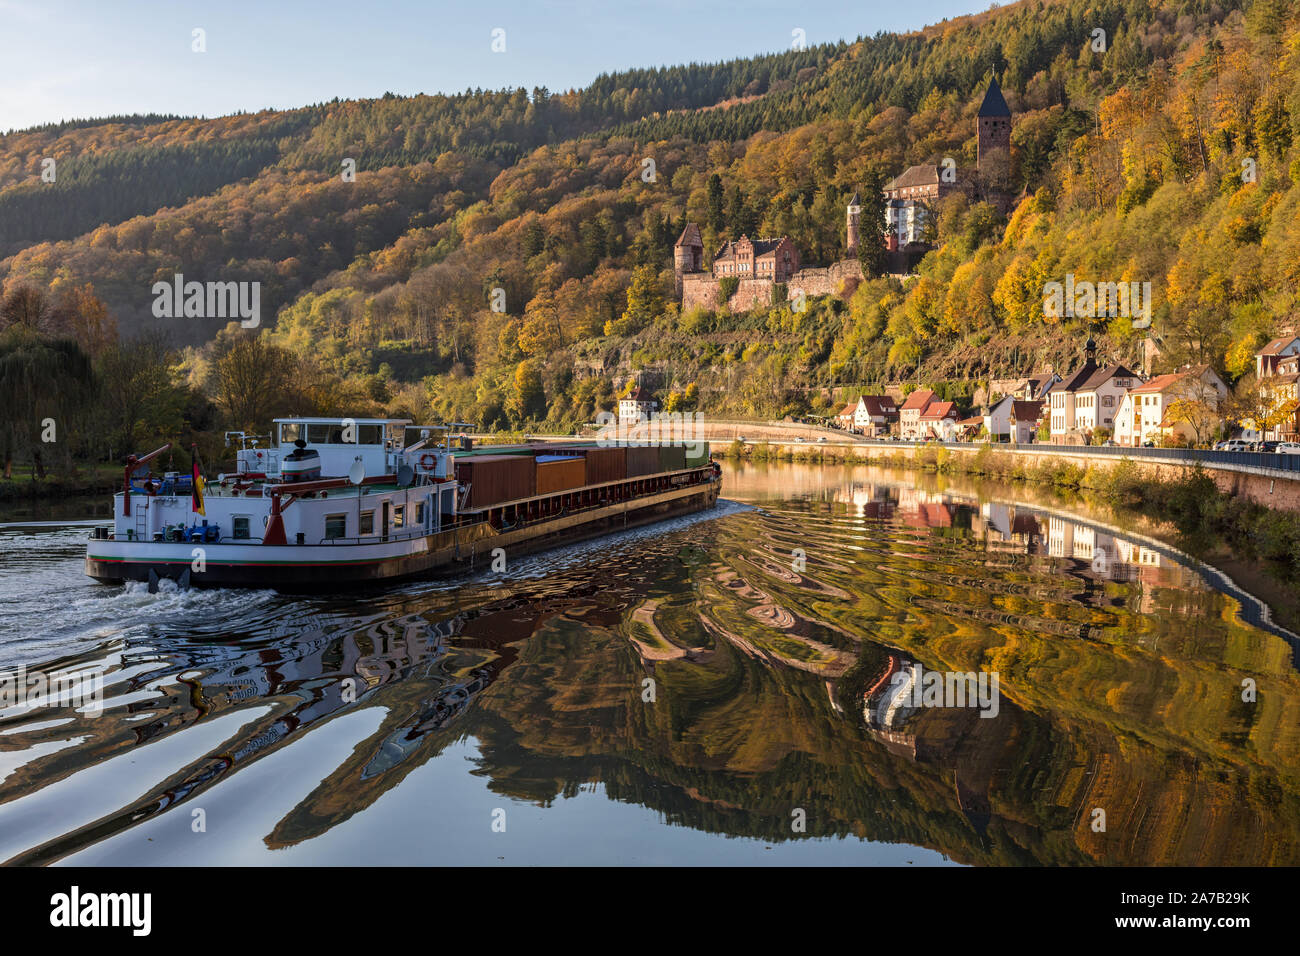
point(701, 289)
point(840, 278)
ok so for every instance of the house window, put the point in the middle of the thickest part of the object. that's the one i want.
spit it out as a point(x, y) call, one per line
point(239, 526)
point(1108, 401)
point(336, 526)
point(367, 523)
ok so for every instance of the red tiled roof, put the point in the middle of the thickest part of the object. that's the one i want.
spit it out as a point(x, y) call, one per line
point(1277, 345)
point(1026, 411)
point(1160, 383)
point(918, 399)
point(938, 411)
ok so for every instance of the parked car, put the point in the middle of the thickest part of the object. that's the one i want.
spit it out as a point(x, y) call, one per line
point(1267, 447)
point(1236, 445)
point(798, 438)
point(1148, 444)
point(821, 438)
point(1108, 443)
point(1287, 448)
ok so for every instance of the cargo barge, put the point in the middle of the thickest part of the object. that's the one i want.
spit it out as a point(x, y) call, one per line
point(341, 502)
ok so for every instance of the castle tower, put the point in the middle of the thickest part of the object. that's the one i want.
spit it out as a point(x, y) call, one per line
point(688, 254)
point(854, 215)
point(993, 146)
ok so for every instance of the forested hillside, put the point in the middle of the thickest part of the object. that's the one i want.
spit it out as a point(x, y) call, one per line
point(1169, 157)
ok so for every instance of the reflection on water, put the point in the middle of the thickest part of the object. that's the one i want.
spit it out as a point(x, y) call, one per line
point(642, 698)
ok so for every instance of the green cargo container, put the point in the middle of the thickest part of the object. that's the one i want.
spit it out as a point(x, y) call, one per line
point(672, 457)
point(701, 456)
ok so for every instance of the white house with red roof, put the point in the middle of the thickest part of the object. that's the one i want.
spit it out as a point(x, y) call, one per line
point(938, 420)
point(1144, 414)
point(869, 415)
point(637, 406)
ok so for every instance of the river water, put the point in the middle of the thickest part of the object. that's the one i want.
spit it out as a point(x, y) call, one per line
point(743, 686)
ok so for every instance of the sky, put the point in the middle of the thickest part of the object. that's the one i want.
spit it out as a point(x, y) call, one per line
point(86, 58)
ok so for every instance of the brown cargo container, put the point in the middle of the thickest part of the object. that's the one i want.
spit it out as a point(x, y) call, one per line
point(560, 474)
point(642, 460)
point(672, 458)
point(493, 479)
point(603, 464)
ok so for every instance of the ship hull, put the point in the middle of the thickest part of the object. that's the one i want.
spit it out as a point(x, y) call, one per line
point(331, 567)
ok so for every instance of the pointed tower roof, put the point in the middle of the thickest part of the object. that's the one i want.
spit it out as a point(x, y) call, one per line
point(994, 103)
point(854, 200)
point(691, 236)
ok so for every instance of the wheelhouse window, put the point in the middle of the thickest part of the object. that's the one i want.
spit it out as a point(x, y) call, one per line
point(290, 433)
point(370, 434)
point(239, 526)
point(367, 523)
point(419, 513)
point(318, 434)
point(399, 516)
point(336, 526)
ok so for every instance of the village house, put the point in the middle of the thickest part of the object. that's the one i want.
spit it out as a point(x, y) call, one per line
point(1271, 355)
point(1013, 420)
point(847, 415)
point(1088, 399)
point(1145, 411)
point(636, 407)
point(870, 415)
point(938, 420)
point(909, 414)
point(1276, 367)
point(1031, 389)
point(876, 415)
point(1097, 400)
point(1283, 388)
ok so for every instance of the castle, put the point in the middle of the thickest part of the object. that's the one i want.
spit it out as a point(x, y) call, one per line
point(760, 266)
point(911, 197)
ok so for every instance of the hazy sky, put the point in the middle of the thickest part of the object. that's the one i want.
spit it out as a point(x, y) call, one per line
point(64, 60)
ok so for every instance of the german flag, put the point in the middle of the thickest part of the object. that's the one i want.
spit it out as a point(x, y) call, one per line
point(196, 497)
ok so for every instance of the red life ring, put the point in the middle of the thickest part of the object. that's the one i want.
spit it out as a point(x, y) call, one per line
point(428, 460)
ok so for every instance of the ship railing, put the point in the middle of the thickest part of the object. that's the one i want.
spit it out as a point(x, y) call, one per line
point(380, 538)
